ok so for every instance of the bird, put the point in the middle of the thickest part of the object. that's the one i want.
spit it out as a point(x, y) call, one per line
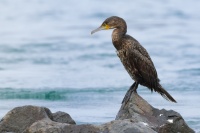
point(134, 58)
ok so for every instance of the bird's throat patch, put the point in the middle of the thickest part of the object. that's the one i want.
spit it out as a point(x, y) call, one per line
point(106, 27)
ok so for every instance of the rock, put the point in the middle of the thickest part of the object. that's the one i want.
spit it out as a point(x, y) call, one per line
point(63, 117)
point(85, 128)
point(23, 118)
point(48, 126)
point(161, 121)
point(126, 126)
point(18, 119)
point(136, 116)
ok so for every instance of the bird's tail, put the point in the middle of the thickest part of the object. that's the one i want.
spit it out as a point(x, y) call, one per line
point(165, 94)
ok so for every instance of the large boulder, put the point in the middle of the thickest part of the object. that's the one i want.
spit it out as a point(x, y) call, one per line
point(18, 119)
point(161, 121)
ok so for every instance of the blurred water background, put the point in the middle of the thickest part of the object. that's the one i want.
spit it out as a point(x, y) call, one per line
point(48, 57)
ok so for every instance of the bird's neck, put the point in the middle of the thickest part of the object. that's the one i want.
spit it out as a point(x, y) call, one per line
point(117, 37)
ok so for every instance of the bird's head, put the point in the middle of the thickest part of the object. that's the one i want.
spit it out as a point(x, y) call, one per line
point(111, 23)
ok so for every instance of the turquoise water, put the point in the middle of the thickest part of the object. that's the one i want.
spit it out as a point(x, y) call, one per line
point(48, 57)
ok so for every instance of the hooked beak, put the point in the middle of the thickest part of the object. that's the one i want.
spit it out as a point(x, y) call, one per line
point(98, 29)
point(102, 27)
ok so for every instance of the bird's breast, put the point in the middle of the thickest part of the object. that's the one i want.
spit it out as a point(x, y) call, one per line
point(127, 63)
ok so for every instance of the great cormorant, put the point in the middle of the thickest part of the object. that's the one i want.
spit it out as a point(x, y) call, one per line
point(134, 57)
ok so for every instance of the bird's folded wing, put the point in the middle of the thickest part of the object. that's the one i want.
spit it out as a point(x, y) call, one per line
point(145, 67)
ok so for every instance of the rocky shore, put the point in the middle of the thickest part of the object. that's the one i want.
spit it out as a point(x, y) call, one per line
point(137, 116)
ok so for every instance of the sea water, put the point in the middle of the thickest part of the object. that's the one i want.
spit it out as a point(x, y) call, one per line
point(48, 57)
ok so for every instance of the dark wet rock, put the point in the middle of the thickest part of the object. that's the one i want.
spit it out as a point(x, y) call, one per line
point(137, 116)
point(63, 117)
point(161, 121)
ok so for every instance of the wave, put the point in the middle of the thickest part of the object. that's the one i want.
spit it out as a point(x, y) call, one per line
point(52, 94)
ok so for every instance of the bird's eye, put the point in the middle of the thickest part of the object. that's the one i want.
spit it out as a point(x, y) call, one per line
point(104, 24)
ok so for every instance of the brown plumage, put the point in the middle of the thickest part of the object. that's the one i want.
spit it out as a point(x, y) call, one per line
point(134, 57)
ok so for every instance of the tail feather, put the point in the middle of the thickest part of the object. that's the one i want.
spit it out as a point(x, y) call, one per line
point(165, 94)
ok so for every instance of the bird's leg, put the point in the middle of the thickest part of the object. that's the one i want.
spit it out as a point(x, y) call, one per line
point(135, 87)
point(128, 93)
point(132, 89)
